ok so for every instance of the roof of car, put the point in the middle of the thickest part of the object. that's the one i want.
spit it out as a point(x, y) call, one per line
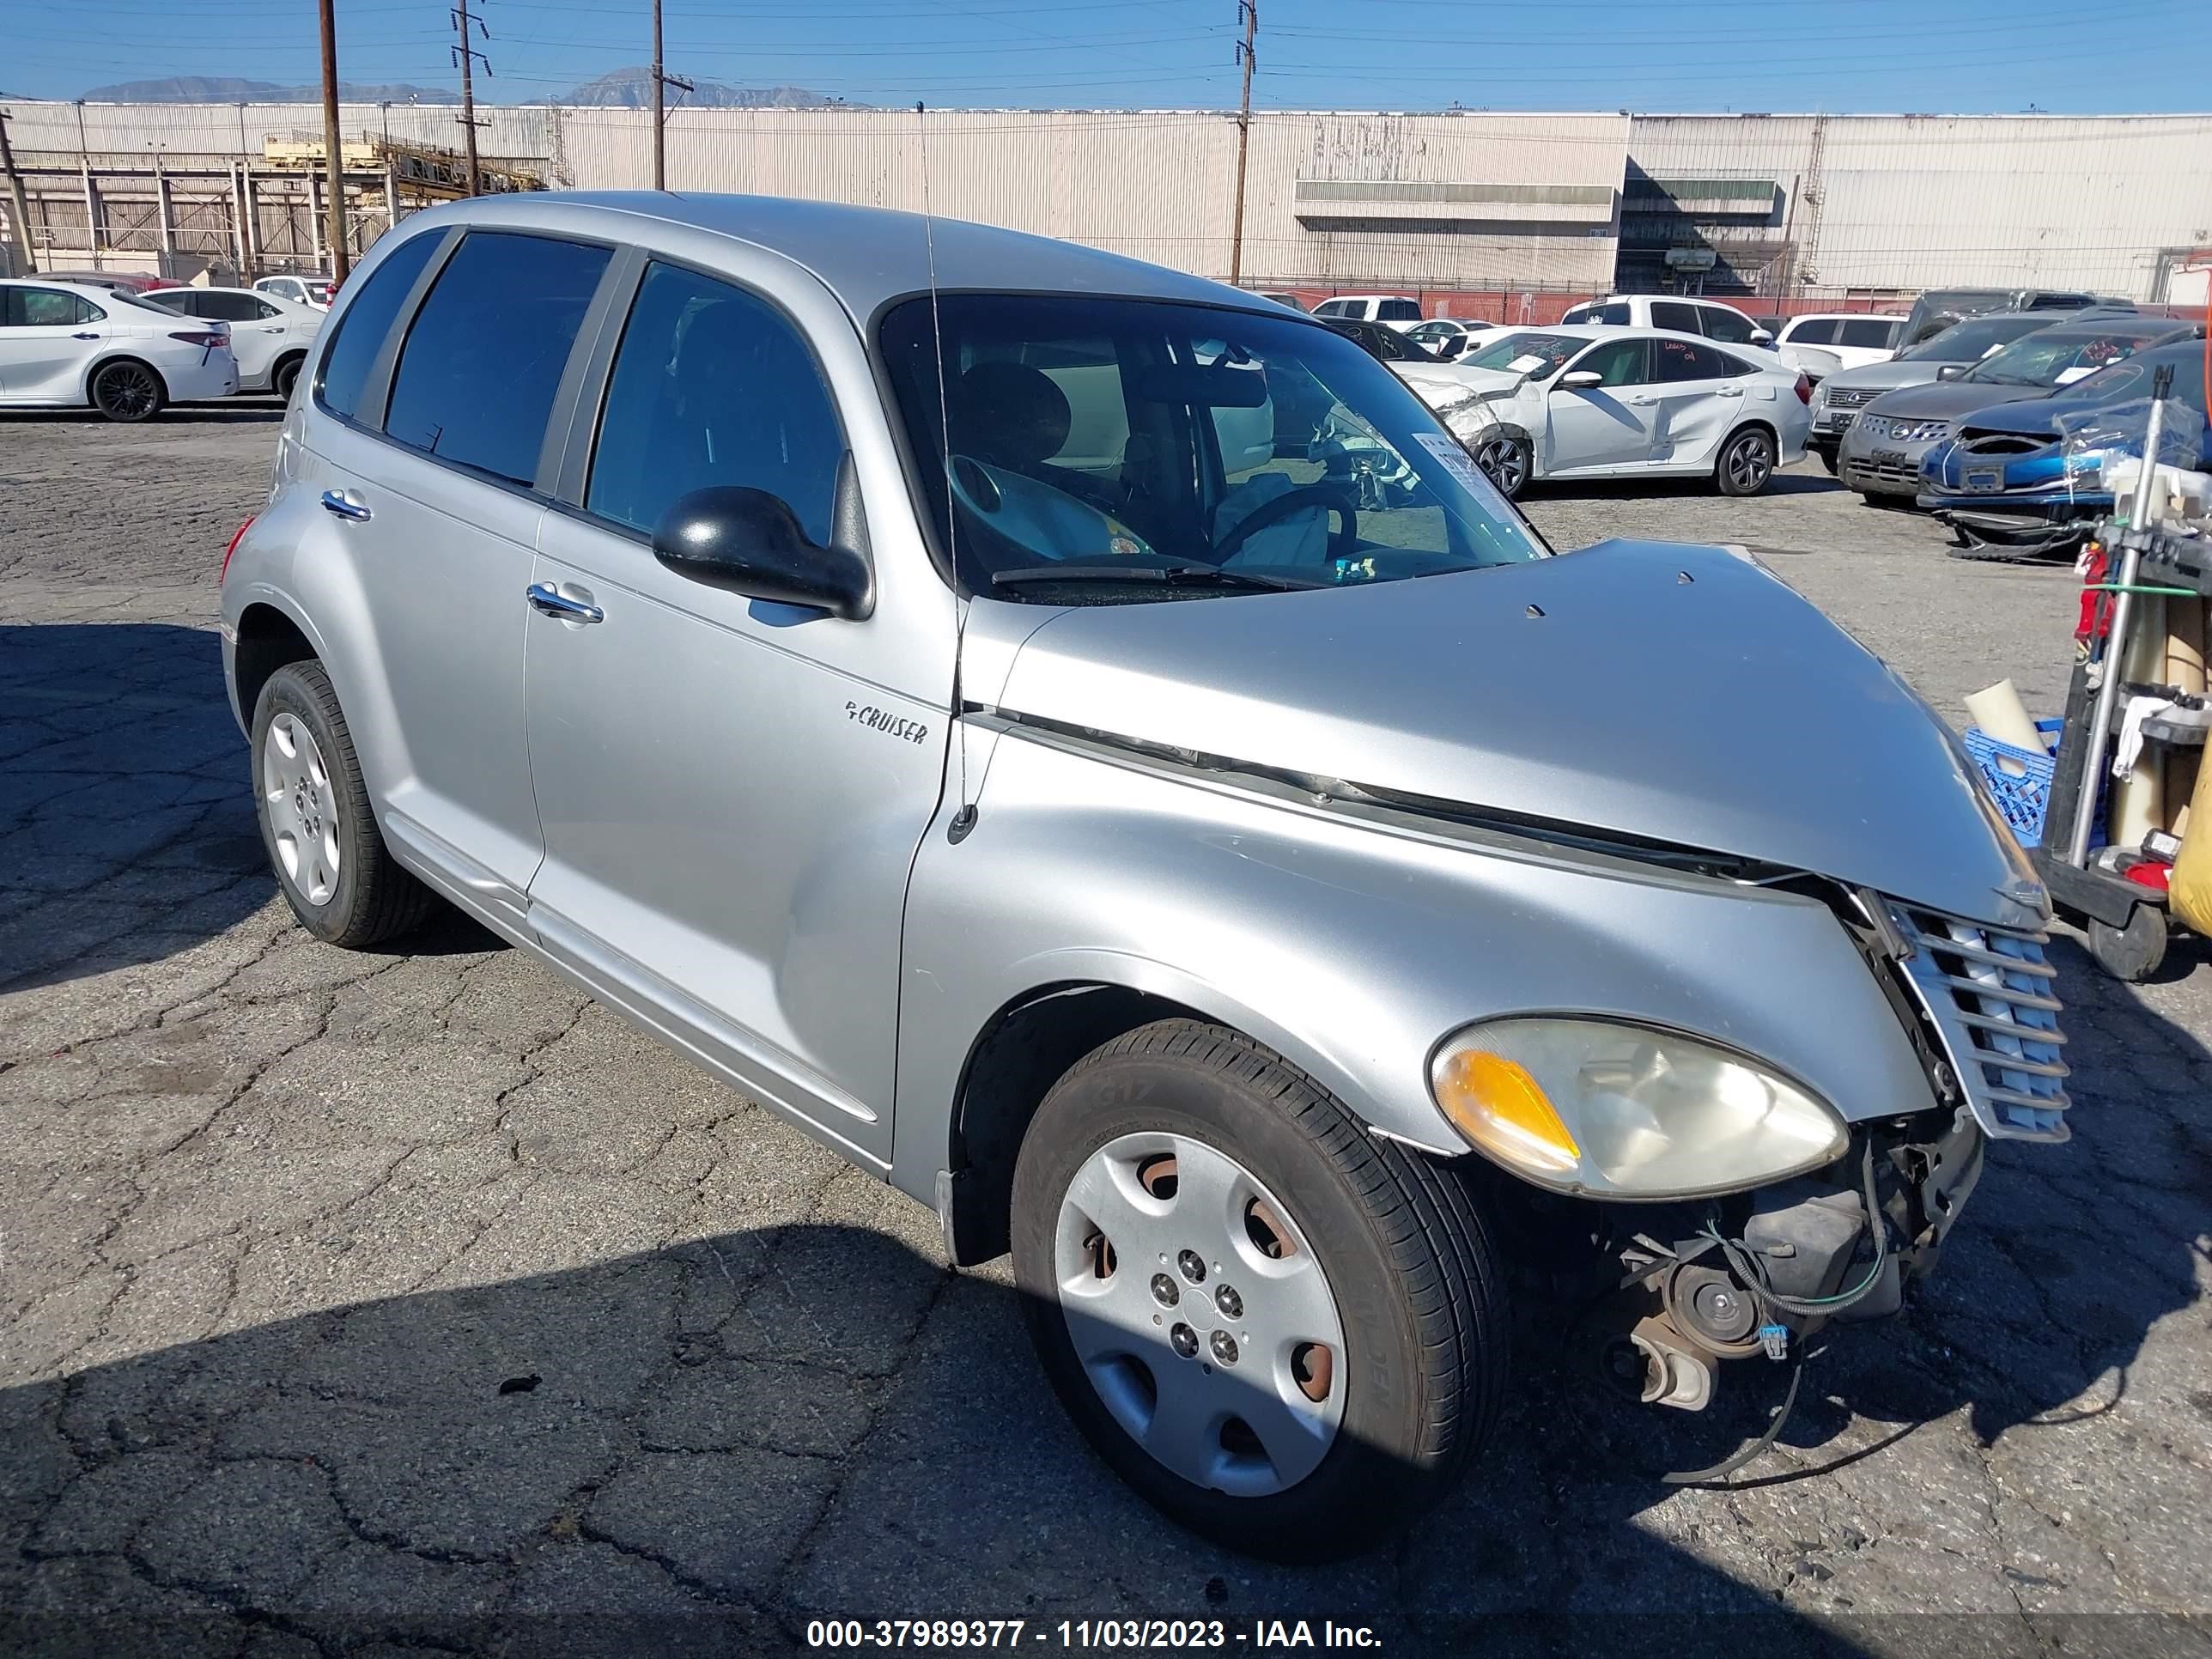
point(863, 255)
point(82, 290)
point(2132, 324)
point(1846, 317)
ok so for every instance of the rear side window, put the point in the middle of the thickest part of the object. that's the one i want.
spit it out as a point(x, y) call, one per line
point(712, 385)
point(1399, 311)
point(234, 307)
point(1876, 332)
point(1817, 330)
point(46, 307)
point(367, 320)
point(1682, 360)
point(482, 360)
point(1666, 313)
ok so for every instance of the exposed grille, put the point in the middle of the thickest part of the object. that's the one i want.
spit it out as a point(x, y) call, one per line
point(2002, 444)
point(1850, 397)
point(1988, 991)
point(1857, 472)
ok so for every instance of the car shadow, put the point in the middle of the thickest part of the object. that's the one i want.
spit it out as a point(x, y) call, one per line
point(127, 832)
point(251, 411)
point(1782, 483)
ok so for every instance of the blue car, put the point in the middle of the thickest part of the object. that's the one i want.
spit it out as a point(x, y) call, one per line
point(2003, 477)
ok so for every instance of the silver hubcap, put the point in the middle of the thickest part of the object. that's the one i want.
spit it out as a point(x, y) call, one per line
point(1201, 1314)
point(1747, 463)
point(302, 811)
point(1501, 461)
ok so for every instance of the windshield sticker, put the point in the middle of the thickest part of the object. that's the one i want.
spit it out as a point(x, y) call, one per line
point(1457, 462)
point(1525, 362)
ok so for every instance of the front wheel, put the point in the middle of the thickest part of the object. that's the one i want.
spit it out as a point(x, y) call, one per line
point(1506, 458)
point(1285, 1333)
point(127, 391)
point(1746, 463)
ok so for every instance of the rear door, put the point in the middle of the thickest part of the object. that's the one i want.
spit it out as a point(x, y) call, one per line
point(1700, 394)
point(48, 335)
point(1605, 427)
point(257, 330)
point(432, 476)
point(1861, 341)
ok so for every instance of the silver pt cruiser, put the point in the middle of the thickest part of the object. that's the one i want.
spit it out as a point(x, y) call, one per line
point(1085, 743)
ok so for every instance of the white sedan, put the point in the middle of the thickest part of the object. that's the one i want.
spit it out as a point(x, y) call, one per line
point(1595, 402)
point(63, 345)
point(270, 335)
point(1452, 337)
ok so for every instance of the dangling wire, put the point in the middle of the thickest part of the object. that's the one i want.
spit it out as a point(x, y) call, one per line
point(965, 818)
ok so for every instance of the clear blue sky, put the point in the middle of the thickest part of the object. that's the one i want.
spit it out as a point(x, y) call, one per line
point(1773, 55)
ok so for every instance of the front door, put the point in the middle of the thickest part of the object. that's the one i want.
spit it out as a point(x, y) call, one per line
point(1598, 427)
point(439, 515)
point(732, 791)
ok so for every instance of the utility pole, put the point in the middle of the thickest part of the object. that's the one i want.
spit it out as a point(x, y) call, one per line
point(17, 205)
point(1248, 10)
point(334, 230)
point(662, 80)
point(465, 55)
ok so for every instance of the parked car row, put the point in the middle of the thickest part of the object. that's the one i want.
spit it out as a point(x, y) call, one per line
point(126, 350)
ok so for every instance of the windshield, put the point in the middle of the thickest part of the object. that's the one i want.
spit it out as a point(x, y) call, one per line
point(2131, 379)
point(1537, 356)
point(2042, 359)
point(1970, 342)
point(1123, 437)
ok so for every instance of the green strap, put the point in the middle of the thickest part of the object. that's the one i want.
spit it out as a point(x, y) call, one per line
point(2137, 587)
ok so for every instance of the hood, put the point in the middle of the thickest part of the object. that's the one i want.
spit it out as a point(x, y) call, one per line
point(1882, 377)
point(1442, 386)
point(1949, 399)
point(1723, 713)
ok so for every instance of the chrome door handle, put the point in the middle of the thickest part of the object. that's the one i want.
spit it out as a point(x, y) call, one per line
point(1642, 402)
point(339, 502)
point(554, 603)
point(1729, 392)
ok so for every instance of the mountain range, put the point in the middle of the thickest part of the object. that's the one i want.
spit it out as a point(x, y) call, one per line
point(621, 88)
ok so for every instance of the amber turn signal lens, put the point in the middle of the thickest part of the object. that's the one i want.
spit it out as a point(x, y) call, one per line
point(1499, 1106)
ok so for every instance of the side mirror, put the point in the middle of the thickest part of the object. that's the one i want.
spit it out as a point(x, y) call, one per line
point(750, 541)
point(1581, 380)
point(1950, 371)
point(1761, 337)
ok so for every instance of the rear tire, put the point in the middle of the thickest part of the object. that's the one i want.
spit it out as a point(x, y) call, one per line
point(1324, 1222)
point(126, 390)
point(287, 376)
point(316, 824)
point(1745, 465)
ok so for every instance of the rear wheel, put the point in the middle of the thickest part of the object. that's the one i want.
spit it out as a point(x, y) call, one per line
point(127, 391)
point(330, 857)
point(1287, 1334)
point(1746, 463)
point(287, 376)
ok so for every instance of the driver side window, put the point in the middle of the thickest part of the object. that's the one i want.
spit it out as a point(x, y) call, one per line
point(1619, 363)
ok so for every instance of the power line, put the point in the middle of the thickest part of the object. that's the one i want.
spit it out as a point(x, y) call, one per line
point(662, 80)
point(466, 56)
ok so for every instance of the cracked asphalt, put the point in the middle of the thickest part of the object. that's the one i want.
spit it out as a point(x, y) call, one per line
point(379, 1303)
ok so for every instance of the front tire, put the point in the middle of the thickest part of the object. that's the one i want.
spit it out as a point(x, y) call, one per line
point(127, 391)
point(316, 824)
point(1506, 459)
point(1287, 1334)
point(1746, 465)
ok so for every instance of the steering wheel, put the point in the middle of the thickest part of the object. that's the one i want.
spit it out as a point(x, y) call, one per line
point(1343, 541)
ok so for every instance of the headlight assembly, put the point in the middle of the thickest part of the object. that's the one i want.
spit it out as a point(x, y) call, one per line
point(1614, 1111)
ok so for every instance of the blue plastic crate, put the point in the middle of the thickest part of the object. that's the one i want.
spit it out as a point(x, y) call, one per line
point(2024, 797)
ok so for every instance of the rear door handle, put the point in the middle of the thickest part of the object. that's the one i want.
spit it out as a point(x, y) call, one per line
point(550, 599)
point(84, 336)
point(1643, 402)
point(338, 502)
point(1729, 392)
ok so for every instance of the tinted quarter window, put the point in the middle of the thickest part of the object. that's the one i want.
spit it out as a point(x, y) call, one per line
point(1666, 313)
point(1819, 330)
point(482, 360)
point(1877, 332)
point(232, 308)
point(367, 320)
point(712, 385)
point(1732, 327)
point(1399, 311)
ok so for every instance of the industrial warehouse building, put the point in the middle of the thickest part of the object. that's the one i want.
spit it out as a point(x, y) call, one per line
point(1522, 210)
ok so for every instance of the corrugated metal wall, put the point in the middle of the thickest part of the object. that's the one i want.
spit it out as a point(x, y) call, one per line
point(1860, 203)
point(1910, 202)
